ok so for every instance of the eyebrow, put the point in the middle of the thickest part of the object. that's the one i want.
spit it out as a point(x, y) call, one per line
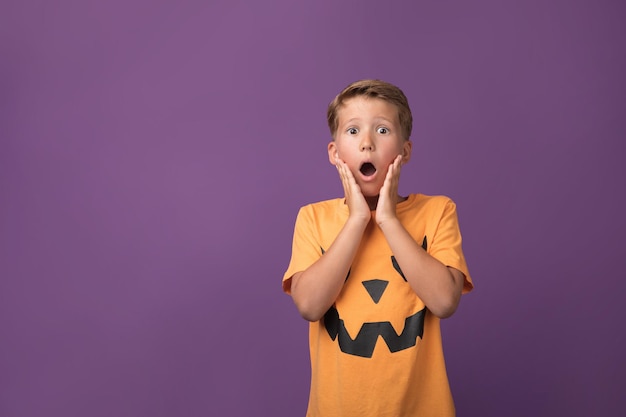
point(376, 119)
point(354, 119)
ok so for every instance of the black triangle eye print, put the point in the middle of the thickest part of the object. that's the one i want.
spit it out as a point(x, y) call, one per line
point(397, 267)
point(395, 263)
point(348, 274)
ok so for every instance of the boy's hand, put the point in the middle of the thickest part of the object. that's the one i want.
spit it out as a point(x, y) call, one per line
point(386, 208)
point(354, 197)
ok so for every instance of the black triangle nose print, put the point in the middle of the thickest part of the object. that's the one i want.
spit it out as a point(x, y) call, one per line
point(375, 288)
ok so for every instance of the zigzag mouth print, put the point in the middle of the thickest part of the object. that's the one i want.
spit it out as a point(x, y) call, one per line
point(365, 341)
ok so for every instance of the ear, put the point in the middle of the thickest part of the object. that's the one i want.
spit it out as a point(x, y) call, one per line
point(332, 153)
point(407, 147)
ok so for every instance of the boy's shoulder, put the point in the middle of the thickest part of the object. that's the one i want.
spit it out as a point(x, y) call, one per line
point(413, 202)
point(331, 204)
point(424, 205)
point(435, 200)
point(429, 199)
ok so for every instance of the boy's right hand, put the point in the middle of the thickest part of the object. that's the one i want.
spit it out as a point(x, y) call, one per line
point(358, 207)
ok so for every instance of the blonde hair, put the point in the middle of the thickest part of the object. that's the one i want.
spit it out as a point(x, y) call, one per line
point(372, 89)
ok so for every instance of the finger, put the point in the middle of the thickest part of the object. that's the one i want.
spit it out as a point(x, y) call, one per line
point(341, 167)
point(338, 164)
point(348, 175)
point(342, 177)
point(397, 166)
point(350, 186)
point(398, 162)
point(391, 180)
point(390, 171)
point(384, 190)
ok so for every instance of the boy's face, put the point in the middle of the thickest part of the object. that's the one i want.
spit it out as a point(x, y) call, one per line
point(368, 139)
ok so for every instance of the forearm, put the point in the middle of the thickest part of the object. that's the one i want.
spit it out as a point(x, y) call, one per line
point(315, 289)
point(437, 286)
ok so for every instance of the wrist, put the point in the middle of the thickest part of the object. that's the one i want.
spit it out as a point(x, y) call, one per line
point(358, 220)
point(388, 222)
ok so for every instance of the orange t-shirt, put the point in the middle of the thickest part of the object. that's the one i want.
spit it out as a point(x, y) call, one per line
point(377, 351)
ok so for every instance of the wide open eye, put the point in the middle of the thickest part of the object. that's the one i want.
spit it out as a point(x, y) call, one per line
point(352, 131)
point(382, 130)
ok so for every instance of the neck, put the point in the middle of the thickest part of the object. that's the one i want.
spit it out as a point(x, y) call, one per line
point(372, 202)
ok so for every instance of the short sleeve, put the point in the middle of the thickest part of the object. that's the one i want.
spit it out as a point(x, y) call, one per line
point(306, 248)
point(446, 244)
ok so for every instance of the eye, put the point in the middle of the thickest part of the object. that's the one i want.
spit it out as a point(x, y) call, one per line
point(352, 131)
point(382, 130)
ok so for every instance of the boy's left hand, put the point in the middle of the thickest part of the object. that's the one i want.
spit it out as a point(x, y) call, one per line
point(388, 197)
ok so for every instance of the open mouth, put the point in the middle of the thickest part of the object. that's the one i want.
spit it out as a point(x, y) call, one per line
point(368, 169)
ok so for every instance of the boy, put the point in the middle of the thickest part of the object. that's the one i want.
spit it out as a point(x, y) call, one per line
point(374, 272)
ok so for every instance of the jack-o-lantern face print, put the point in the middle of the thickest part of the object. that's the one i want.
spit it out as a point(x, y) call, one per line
point(364, 342)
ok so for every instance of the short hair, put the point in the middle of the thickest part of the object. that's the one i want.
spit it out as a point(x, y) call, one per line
point(372, 89)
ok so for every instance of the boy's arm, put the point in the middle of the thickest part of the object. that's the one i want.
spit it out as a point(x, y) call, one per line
point(437, 285)
point(315, 289)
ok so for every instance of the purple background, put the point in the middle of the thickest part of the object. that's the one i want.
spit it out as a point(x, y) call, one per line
point(154, 154)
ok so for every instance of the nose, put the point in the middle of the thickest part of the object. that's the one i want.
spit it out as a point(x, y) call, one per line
point(367, 144)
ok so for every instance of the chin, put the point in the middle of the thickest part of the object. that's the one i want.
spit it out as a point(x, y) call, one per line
point(371, 195)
